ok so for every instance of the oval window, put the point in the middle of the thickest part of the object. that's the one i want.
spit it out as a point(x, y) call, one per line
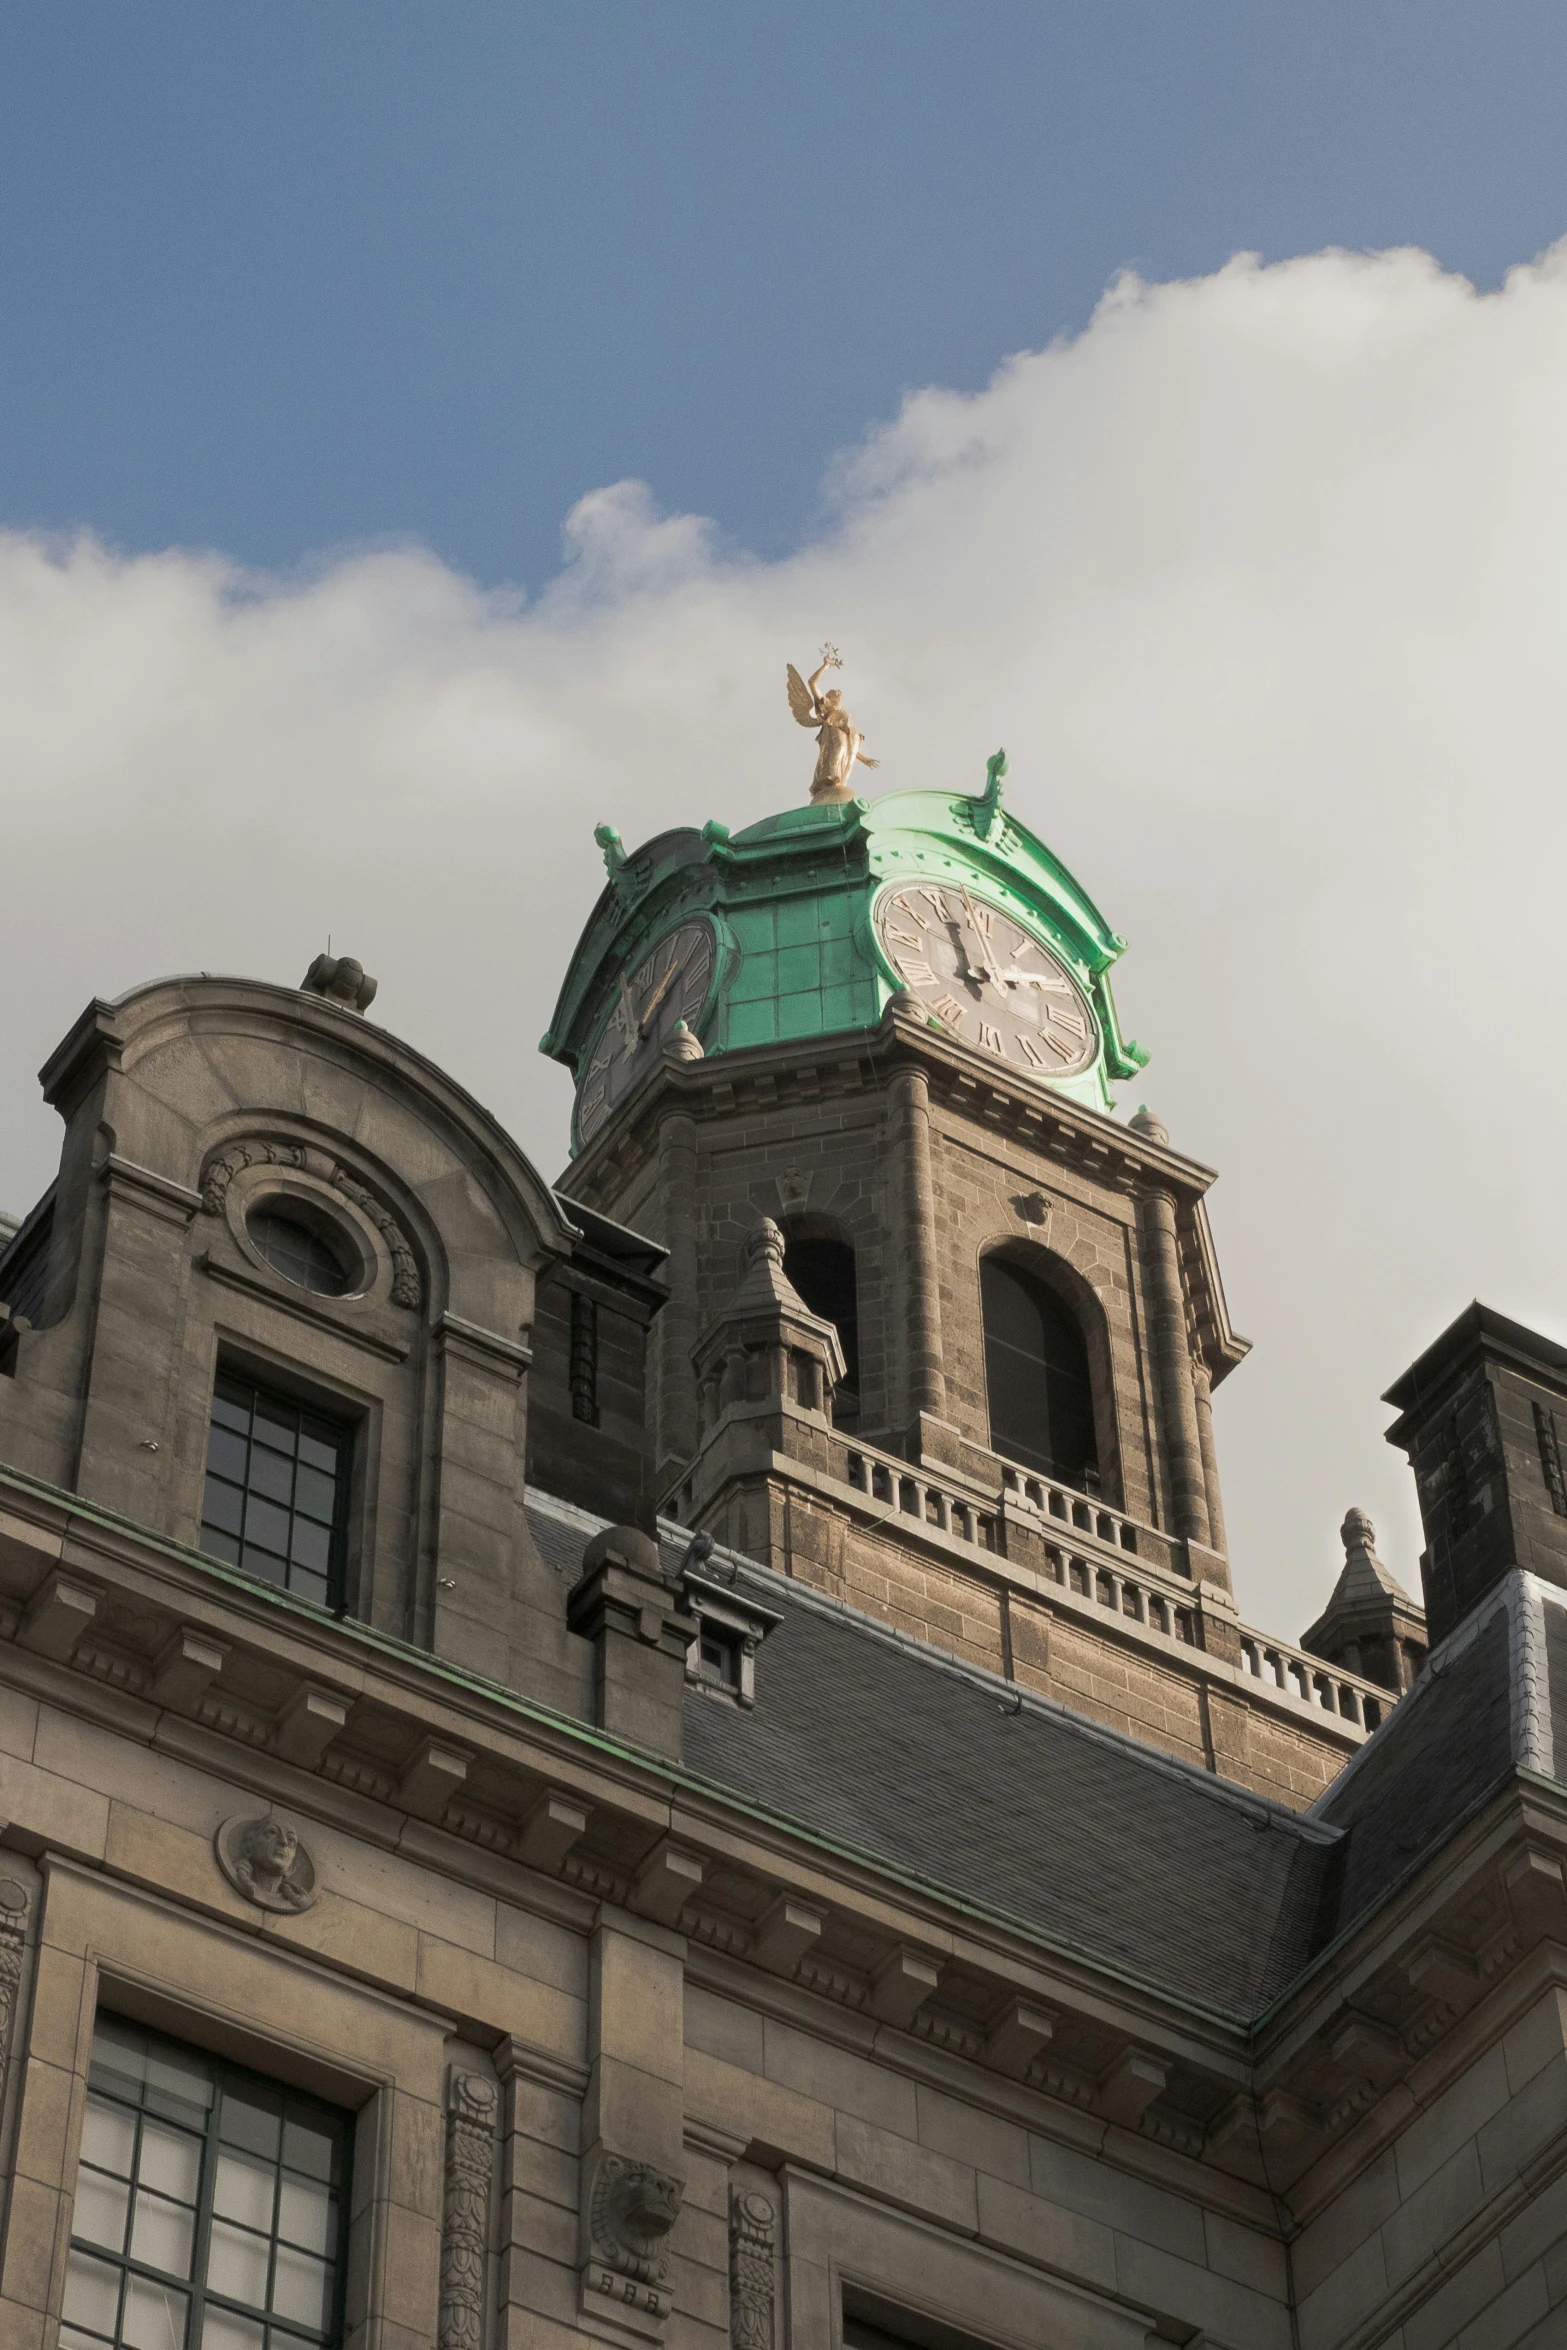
point(299, 1251)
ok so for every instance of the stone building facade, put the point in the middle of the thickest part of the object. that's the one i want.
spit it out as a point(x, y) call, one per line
point(572, 1773)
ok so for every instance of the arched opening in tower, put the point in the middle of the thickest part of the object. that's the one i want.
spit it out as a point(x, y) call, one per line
point(1036, 1372)
point(822, 1270)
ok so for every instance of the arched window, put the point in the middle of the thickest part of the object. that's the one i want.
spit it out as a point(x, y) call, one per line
point(823, 1273)
point(1036, 1370)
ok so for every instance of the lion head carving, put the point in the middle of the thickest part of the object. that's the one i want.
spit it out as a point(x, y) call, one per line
point(634, 2208)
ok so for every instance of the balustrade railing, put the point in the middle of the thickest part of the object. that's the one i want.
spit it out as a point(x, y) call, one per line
point(915, 1494)
point(1313, 1682)
point(1142, 1595)
point(1048, 1500)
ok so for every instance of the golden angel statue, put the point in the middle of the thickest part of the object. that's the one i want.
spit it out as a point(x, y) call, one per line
point(838, 742)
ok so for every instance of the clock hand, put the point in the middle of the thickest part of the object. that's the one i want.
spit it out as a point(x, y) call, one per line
point(1040, 979)
point(984, 969)
point(657, 997)
point(628, 1017)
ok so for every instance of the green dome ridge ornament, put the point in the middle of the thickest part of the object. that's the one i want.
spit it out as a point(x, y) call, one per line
point(808, 923)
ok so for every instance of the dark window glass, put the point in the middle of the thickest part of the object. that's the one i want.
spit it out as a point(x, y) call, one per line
point(298, 1251)
point(210, 2206)
point(823, 1273)
point(1036, 1369)
point(277, 1490)
point(720, 1657)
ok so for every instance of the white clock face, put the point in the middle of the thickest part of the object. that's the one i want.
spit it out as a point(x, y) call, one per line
point(987, 978)
point(668, 985)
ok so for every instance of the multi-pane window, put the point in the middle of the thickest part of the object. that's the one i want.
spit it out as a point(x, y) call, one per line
point(209, 2207)
point(277, 1489)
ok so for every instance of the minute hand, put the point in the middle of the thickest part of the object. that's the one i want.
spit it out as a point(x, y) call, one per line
point(657, 997)
point(1040, 979)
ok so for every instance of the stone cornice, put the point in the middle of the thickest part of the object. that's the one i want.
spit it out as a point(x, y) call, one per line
point(1308, 2051)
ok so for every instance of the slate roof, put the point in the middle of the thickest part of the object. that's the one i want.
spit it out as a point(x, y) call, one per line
point(1490, 1701)
point(1095, 1843)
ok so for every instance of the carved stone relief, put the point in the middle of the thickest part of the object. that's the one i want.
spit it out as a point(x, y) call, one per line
point(753, 2233)
point(220, 1172)
point(264, 1860)
point(406, 1288)
point(13, 1929)
point(631, 2209)
point(472, 2102)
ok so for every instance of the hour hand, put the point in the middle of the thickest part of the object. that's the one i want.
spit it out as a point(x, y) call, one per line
point(979, 923)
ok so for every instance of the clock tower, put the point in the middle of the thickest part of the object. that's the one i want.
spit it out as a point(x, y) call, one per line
point(942, 1329)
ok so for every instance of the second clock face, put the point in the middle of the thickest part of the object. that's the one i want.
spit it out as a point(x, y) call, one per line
point(668, 985)
point(987, 978)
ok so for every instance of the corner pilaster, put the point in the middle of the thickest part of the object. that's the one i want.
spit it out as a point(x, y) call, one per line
point(633, 2158)
point(1173, 1363)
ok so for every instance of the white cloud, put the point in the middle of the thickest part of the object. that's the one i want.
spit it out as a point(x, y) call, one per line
point(1262, 581)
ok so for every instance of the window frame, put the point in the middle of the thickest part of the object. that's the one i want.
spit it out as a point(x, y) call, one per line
point(337, 1413)
point(282, 2333)
point(1031, 1269)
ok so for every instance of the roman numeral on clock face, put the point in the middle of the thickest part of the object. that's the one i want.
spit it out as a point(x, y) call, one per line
point(990, 1038)
point(916, 971)
point(948, 1008)
point(1072, 1020)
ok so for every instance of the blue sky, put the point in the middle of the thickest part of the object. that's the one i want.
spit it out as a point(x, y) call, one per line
point(280, 278)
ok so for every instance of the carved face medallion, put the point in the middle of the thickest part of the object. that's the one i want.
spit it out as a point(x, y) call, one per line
point(669, 985)
point(264, 1861)
point(987, 978)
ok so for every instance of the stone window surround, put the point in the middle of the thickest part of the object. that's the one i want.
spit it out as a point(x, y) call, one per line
point(103, 1945)
point(737, 1617)
point(370, 1261)
point(840, 2242)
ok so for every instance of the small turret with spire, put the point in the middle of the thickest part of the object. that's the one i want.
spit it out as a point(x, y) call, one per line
point(1370, 1626)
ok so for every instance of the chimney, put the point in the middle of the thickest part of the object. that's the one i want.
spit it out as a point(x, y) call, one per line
point(1483, 1419)
point(641, 1628)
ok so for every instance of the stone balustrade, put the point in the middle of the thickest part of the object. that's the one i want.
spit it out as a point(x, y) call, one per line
point(1043, 1498)
point(1096, 1557)
point(916, 1494)
point(1324, 1687)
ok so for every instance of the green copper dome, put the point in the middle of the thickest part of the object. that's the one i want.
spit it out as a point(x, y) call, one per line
point(796, 928)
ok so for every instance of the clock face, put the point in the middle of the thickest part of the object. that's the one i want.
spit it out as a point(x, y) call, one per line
point(987, 978)
point(667, 986)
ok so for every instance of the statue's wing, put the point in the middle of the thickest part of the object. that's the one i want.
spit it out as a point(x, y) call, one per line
point(800, 702)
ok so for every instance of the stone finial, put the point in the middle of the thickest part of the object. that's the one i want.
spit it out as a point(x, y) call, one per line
point(682, 1045)
point(1145, 1123)
point(1358, 1533)
point(342, 980)
point(766, 1242)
